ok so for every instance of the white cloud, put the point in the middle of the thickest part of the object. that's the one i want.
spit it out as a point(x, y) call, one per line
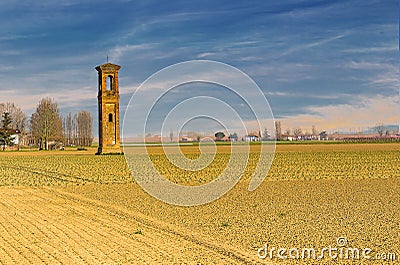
point(205, 54)
point(70, 98)
point(364, 112)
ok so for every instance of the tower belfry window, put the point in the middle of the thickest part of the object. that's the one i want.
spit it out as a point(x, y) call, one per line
point(109, 82)
point(110, 117)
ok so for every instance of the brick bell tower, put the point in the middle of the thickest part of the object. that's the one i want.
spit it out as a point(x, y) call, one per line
point(108, 99)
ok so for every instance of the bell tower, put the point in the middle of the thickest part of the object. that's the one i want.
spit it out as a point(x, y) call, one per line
point(108, 99)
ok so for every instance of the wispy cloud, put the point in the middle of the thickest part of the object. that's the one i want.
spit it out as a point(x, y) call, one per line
point(205, 54)
point(299, 95)
point(380, 75)
point(283, 71)
point(151, 21)
point(387, 79)
point(119, 51)
point(301, 47)
point(378, 49)
point(365, 65)
point(6, 68)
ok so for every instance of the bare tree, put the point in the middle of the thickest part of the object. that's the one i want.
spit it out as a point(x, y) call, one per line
point(78, 129)
point(171, 135)
point(74, 134)
point(297, 131)
point(379, 129)
point(84, 128)
point(17, 116)
point(314, 130)
point(278, 130)
point(68, 129)
point(46, 123)
point(266, 135)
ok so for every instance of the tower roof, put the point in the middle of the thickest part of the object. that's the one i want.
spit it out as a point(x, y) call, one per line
point(108, 66)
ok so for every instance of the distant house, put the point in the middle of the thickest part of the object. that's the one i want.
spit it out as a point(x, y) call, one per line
point(252, 137)
point(304, 137)
point(233, 137)
point(186, 139)
point(323, 136)
point(287, 137)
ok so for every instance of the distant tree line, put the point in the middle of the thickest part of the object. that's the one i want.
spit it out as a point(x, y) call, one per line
point(46, 127)
point(78, 129)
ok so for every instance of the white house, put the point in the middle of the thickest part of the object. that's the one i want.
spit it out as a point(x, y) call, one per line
point(252, 137)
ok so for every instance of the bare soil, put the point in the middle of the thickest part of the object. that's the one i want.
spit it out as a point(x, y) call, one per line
point(119, 223)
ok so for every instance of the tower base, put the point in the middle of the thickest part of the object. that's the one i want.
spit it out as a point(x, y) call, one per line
point(109, 151)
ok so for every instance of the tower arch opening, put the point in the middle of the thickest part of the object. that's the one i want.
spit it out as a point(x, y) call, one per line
point(109, 83)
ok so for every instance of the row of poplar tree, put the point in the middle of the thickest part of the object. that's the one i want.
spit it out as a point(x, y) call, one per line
point(46, 126)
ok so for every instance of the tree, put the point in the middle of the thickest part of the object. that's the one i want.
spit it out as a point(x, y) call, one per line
point(46, 123)
point(297, 131)
point(78, 129)
point(171, 135)
point(266, 135)
point(219, 135)
point(233, 137)
point(6, 138)
point(314, 130)
point(84, 122)
point(18, 117)
point(68, 130)
point(323, 135)
point(278, 130)
point(379, 129)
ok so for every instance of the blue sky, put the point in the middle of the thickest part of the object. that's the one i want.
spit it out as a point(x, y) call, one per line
point(332, 64)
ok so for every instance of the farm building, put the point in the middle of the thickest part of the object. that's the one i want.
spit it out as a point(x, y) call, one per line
point(186, 139)
point(252, 137)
